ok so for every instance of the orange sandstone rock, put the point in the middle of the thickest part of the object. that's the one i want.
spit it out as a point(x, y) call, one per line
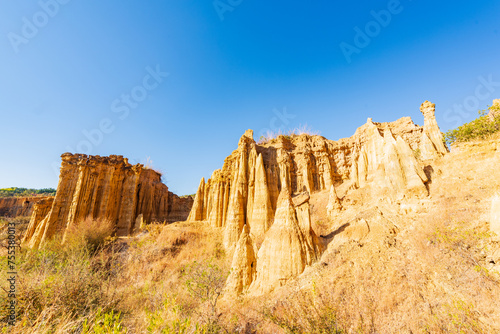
point(19, 206)
point(106, 188)
point(243, 266)
point(289, 246)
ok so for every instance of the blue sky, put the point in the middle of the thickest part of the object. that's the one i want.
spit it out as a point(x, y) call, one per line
point(180, 81)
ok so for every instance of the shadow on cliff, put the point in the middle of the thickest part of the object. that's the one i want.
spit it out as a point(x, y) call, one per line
point(329, 237)
point(429, 171)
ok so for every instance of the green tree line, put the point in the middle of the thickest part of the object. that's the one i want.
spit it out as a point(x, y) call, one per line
point(22, 192)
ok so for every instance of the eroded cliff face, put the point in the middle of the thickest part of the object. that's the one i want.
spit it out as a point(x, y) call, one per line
point(105, 188)
point(19, 206)
point(289, 246)
point(243, 266)
point(387, 159)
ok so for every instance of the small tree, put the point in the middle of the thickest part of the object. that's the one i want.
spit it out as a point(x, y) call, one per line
point(205, 281)
point(480, 128)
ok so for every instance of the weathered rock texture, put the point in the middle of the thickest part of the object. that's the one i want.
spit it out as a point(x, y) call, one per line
point(384, 158)
point(386, 163)
point(383, 155)
point(289, 246)
point(106, 188)
point(19, 206)
point(334, 206)
point(40, 211)
point(243, 266)
point(197, 209)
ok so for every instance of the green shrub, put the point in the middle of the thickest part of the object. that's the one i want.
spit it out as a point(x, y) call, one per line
point(480, 128)
point(205, 281)
point(25, 192)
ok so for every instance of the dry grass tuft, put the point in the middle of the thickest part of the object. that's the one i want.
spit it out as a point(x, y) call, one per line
point(90, 232)
point(300, 130)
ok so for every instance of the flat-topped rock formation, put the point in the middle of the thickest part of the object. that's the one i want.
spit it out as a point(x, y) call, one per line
point(19, 206)
point(385, 158)
point(105, 188)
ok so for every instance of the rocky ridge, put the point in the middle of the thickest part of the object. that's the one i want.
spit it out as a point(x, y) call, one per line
point(104, 188)
point(264, 188)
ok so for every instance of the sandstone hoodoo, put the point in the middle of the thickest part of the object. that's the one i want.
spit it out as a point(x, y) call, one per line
point(385, 160)
point(105, 188)
point(432, 140)
point(289, 246)
point(243, 266)
point(379, 155)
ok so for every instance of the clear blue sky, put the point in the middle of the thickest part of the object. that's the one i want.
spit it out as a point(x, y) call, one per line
point(76, 66)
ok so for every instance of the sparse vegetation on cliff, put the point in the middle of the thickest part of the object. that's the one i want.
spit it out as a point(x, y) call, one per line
point(303, 129)
point(480, 128)
point(25, 192)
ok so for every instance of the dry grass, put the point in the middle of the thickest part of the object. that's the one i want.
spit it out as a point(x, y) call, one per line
point(301, 129)
point(59, 286)
point(94, 283)
point(153, 277)
point(90, 232)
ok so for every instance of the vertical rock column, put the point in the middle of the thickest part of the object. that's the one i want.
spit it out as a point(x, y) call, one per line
point(198, 208)
point(431, 144)
point(262, 211)
point(243, 266)
point(284, 253)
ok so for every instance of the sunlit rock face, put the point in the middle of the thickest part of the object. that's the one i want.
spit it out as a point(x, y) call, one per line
point(249, 191)
point(105, 188)
point(20, 206)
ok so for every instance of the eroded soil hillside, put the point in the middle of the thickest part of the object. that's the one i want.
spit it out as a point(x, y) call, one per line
point(411, 265)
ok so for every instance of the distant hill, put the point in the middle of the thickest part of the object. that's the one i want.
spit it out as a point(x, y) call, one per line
point(25, 192)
